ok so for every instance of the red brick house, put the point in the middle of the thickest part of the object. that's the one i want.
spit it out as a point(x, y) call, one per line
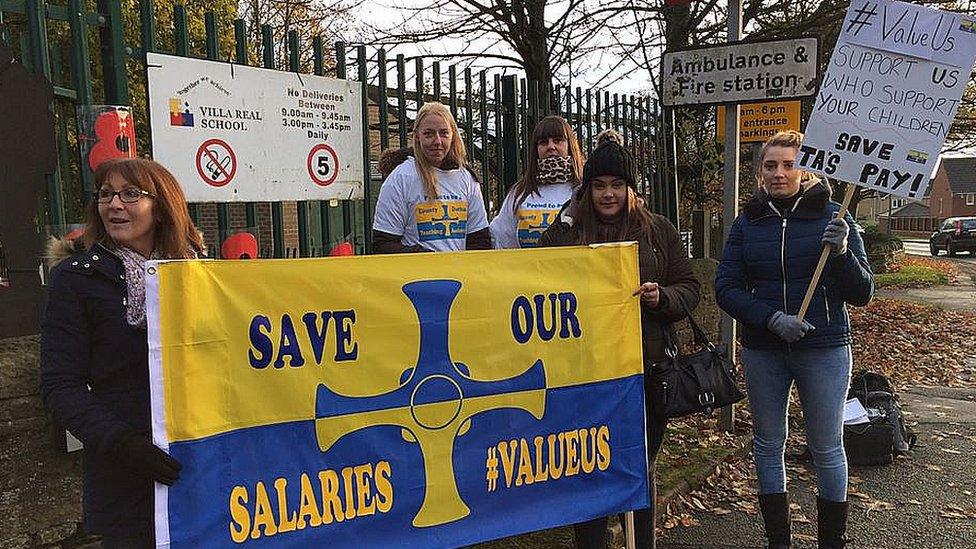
point(951, 193)
point(954, 188)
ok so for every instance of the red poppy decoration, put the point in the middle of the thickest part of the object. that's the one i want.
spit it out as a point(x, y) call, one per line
point(240, 246)
point(343, 248)
point(115, 137)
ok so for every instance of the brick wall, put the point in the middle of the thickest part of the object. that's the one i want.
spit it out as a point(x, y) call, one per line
point(40, 485)
point(940, 199)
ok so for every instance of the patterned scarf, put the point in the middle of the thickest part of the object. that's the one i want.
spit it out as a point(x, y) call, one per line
point(555, 169)
point(135, 284)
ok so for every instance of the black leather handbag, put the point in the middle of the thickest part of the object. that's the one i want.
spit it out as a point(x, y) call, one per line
point(682, 385)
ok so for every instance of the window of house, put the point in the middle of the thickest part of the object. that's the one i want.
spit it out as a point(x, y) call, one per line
point(897, 203)
point(970, 199)
point(940, 207)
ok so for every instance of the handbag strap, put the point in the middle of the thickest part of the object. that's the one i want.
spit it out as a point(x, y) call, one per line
point(701, 338)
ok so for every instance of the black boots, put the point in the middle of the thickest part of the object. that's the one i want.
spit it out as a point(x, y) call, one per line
point(831, 524)
point(776, 515)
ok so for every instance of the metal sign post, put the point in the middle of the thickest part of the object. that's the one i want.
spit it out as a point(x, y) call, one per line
point(731, 74)
point(730, 199)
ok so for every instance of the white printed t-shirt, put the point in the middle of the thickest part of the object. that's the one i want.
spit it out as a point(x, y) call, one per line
point(439, 225)
point(523, 227)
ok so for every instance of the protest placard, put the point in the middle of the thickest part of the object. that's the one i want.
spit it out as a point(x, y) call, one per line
point(889, 96)
point(416, 400)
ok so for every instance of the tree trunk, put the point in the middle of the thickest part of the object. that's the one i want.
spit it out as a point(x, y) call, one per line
point(535, 54)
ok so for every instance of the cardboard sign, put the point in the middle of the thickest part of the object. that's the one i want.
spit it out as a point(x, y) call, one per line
point(234, 133)
point(760, 121)
point(890, 94)
point(736, 73)
point(447, 405)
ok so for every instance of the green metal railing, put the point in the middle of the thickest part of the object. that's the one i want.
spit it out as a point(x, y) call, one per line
point(495, 109)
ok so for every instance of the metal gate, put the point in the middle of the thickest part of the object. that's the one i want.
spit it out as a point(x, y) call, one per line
point(84, 55)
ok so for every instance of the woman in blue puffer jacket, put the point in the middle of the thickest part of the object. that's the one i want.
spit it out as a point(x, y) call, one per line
point(769, 260)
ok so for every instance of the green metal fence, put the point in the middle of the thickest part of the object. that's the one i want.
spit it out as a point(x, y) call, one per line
point(83, 53)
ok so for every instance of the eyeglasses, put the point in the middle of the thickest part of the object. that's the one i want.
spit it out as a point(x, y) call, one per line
point(128, 195)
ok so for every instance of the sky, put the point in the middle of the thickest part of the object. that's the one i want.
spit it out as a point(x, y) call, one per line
point(380, 14)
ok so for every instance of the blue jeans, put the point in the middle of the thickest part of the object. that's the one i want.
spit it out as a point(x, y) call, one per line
point(822, 378)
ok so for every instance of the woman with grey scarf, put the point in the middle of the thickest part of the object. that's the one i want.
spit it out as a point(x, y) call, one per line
point(94, 344)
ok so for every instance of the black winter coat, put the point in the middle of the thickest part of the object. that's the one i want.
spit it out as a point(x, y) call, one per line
point(95, 382)
point(661, 259)
point(769, 260)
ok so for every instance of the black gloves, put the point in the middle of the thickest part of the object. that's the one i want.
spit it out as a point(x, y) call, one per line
point(138, 454)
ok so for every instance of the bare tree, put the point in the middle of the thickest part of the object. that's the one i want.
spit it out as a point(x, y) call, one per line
point(328, 19)
point(546, 38)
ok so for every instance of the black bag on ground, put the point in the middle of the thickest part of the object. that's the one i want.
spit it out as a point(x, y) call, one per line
point(885, 435)
point(682, 385)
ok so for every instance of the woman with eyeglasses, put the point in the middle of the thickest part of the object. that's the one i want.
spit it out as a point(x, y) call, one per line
point(94, 351)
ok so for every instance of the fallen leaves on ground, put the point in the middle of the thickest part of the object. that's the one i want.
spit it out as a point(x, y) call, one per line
point(915, 344)
point(911, 344)
point(954, 512)
point(729, 488)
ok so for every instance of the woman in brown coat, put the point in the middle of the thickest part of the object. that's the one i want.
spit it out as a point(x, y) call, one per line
point(608, 210)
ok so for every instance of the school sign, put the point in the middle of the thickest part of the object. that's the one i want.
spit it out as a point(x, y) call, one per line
point(413, 400)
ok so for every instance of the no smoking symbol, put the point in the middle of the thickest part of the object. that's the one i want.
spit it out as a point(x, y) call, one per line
point(323, 165)
point(216, 162)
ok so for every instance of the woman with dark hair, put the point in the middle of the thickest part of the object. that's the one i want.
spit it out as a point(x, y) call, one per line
point(608, 210)
point(430, 202)
point(768, 263)
point(553, 169)
point(94, 344)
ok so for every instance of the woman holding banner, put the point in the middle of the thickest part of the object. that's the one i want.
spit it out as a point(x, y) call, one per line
point(94, 354)
point(769, 260)
point(608, 209)
point(431, 202)
point(554, 169)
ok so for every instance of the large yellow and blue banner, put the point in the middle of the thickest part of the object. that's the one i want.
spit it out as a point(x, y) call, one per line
point(417, 400)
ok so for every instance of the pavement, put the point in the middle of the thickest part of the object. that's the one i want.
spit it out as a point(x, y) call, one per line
point(926, 500)
point(923, 501)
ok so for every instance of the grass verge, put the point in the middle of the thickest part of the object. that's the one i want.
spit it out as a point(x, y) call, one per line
point(915, 276)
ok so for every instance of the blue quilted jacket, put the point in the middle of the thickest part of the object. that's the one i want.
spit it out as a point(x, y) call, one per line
point(768, 262)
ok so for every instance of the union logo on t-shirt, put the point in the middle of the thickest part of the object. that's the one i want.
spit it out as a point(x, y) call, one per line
point(532, 223)
point(441, 219)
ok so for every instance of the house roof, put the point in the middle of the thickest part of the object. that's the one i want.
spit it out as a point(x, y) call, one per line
point(961, 173)
point(912, 209)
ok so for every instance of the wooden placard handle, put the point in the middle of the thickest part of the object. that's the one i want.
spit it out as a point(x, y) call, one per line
point(630, 541)
point(823, 256)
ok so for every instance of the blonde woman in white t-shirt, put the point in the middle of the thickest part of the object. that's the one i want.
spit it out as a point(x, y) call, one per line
point(553, 169)
point(431, 202)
